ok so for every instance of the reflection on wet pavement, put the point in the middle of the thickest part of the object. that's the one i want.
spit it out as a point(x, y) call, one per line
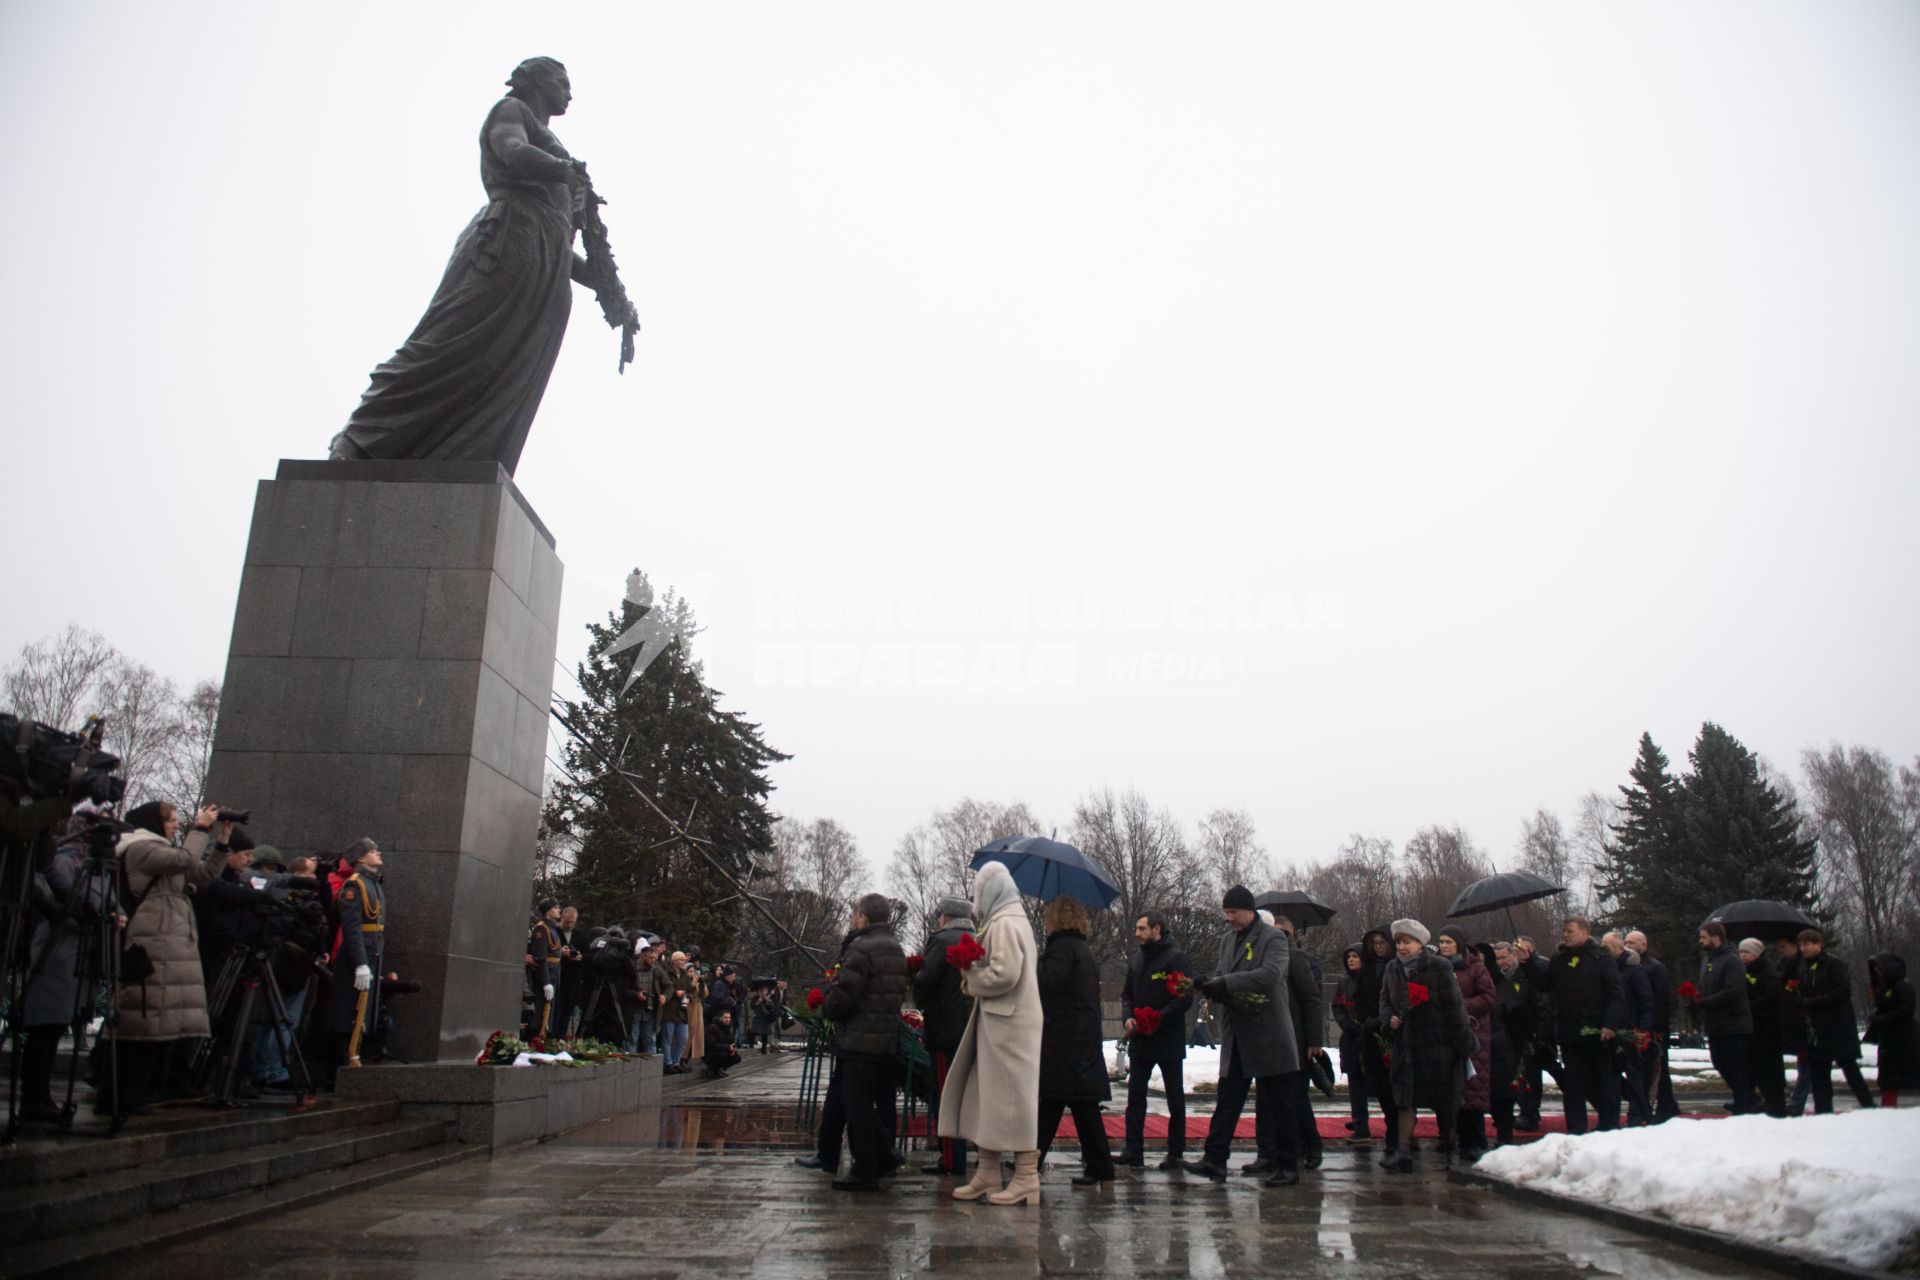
point(701, 1190)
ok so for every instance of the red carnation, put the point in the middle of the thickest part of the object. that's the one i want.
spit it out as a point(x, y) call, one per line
point(1689, 992)
point(914, 963)
point(816, 998)
point(1146, 1021)
point(913, 1018)
point(1417, 994)
point(1793, 984)
point(963, 953)
point(1178, 984)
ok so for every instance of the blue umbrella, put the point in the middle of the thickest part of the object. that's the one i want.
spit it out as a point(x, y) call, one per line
point(1047, 869)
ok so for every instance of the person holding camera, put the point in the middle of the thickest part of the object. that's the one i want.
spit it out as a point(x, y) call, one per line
point(163, 994)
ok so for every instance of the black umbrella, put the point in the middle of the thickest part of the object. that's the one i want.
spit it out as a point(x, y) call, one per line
point(1761, 918)
point(1297, 905)
point(1502, 892)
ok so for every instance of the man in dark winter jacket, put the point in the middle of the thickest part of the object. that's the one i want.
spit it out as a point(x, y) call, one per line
point(1307, 1008)
point(1543, 1059)
point(1513, 1035)
point(1833, 1038)
point(1725, 1017)
point(864, 1002)
point(1637, 991)
point(1150, 969)
point(1665, 1105)
point(937, 994)
point(1589, 1010)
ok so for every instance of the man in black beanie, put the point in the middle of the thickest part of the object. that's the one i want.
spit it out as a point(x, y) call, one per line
point(1256, 1041)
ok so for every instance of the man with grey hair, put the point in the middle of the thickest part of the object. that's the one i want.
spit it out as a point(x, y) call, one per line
point(1665, 1105)
point(1634, 1068)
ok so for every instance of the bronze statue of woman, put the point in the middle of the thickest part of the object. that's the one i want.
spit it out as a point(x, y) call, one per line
point(468, 381)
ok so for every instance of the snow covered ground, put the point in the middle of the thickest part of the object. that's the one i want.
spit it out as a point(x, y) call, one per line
point(1842, 1186)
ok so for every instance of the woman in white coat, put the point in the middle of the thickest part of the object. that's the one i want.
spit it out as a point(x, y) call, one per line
point(992, 1097)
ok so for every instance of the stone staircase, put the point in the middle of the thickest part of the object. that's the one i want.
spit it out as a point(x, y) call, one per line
point(84, 1197)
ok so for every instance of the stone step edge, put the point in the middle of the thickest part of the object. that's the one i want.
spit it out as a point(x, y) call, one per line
point(1803, 1266)
point(80, 1155)
point(129, 1193)
point(57, 1256)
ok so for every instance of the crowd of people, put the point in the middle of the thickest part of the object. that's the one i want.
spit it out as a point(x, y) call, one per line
point(233, 971)
point(629, 989)
point(1467, 1032)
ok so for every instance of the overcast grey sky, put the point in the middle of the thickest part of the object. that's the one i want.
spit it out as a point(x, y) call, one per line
point(1368, 416)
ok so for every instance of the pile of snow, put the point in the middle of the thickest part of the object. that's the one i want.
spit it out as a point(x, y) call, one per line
point(1842, 1186)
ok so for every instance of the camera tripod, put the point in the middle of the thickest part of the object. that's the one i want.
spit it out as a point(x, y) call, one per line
point(245, 978)
point(593, 1004)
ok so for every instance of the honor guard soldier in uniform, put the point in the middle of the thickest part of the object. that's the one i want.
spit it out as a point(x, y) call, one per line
point(543, 967)
point(357, 957)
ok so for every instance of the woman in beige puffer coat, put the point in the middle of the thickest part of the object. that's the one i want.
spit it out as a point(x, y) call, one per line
point(171, 1003)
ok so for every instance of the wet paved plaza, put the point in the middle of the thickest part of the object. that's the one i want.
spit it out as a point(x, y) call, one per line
point(702, 1190)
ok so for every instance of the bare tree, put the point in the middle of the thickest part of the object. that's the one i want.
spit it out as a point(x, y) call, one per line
point(1230, 853)
point(1436, 864)
point(1869, 829)
point(1143, 849)
point(1596, 816)
point(190, 753)
point(60, 681)
point(931, 861)
point(143, 724)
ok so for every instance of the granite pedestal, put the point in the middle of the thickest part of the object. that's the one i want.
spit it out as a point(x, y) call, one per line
point(389, 676)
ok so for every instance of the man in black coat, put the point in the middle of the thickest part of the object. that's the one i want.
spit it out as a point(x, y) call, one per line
point(864, 1002)
point(1637, 990)
point(937, 994)
point(1513, 1033)
point(1725, 1017)
point(1152, 965)
point(1766, 1065)
point(1589, 1010)
point(1665, 1105)
point(1307, 1008)
point(1833, 1038)
point(1543, 1059)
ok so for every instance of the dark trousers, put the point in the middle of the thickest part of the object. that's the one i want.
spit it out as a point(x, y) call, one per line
point(1470, 1127)
point(1231, 1100)
point(1305, 1127)
point(1270, 1137)
point(1357, 1100)
point(1767, 1070)
point(1588, 1076)
point(36, 1065)
point(1636, 1077)
point(1380, 1085)
point(1729, 1055)
point(1665, 1105)
point(1540, 1063)
point(1820, 1068)
point(1171, 1059)
point(1088, 1125)
point(867, 1087)
point(833, 1123)
point(953, 1151)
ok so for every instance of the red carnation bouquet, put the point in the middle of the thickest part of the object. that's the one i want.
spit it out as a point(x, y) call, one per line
point(1793, 984)
point(914, 1019)
point(1178, 984)
point(1689, 992)
point(1146, 1021)
point(816, 998)
point(1417, 994)
point(914, 962)
point(963, 953)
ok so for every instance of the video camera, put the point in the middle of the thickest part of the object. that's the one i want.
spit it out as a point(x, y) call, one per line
point(48, 762)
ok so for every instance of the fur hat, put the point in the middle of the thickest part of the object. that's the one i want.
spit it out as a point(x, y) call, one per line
point(1412, 929)
point(955, 907)
point(1238, 898)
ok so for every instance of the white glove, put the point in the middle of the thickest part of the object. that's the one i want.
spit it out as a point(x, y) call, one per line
point(548, 991)
point(362, 978)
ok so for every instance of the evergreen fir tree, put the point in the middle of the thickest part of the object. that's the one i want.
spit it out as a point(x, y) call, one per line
point(704, 767)
point(1636, 873)
point(1741, 837)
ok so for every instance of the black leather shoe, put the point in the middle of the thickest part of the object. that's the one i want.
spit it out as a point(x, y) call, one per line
point(1256, 1169)
point(1204, 1169)
point(1399, 1162)
point(1313, 1160)
point(1133, 1160)
point(1284, 1178)
point(855, 1184)
point(1171, 1162)
point(1090, 1180)
point(809, 1162)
